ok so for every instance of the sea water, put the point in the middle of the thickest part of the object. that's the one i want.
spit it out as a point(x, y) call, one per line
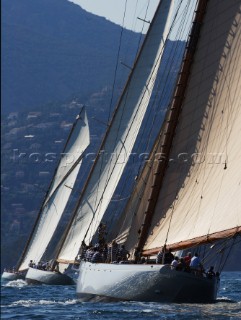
point(22, 301)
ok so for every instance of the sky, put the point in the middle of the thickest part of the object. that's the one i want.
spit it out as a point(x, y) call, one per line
point(113, 10)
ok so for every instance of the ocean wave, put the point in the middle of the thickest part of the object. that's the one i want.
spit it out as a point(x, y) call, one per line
point(31, 303)
point(15, 283)
point(225, 299)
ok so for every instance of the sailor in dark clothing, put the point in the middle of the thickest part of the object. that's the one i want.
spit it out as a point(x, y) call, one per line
point(82, 252)
point(211, 273)
point(101, 234)
point(31, 264)
point(123, 254)
point(168, 257)
point(105, 253)
point(97, 257)
point(181, 265)
point(89, 253)
point(159, 256)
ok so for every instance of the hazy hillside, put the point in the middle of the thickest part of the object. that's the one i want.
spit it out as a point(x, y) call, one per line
point(53, 50)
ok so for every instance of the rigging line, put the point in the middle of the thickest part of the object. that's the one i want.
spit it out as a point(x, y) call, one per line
point(65, 177)
point(112, 91)
point(159, 82)
point(110, 171)
point(132, 207)
point(208, 133)
point(134, 15)
point(219, 246)
point(145, 182)
point(125, 212)
point(116, 66)
point(137, 54)
point(174, 203)
point(221, 266)
point(95, 204)
point(228, 94)
point(151, 118)
point(222, 263)
point(230, 98)
point(117, 200)
point(171, 26)
point(153, 103)
point(227, 100)
point(39, 216)
point(170, 221)
point(221, 124)
point(140, 38)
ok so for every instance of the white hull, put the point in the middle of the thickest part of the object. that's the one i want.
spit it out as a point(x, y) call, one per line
point(156, 283)
point(10, 276)
point(37, 276)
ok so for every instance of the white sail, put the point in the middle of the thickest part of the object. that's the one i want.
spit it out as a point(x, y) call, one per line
point(120, 137)
point(59, 192)
point(201, 190)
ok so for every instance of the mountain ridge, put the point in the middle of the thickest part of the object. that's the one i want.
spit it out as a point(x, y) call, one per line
point(53, 49)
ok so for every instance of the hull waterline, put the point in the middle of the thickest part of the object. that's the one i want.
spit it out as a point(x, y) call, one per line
point(147, 283)
point(37, 276)
point(10, 276)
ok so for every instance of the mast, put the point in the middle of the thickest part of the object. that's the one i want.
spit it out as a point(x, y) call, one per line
point(47, 194)
point(171, 122)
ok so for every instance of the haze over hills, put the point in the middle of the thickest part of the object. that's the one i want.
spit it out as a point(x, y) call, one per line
point(53, 49)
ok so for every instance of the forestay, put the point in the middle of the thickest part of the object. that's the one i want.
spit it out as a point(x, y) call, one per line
point(120, 137)
point(59, 191)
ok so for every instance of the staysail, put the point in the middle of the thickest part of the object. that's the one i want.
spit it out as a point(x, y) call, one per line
point(120, 137)
point(59, 191)
point(199, 199)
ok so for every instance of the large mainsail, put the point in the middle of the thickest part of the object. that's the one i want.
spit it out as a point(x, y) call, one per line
point(199, 199)
point(120, 137)
point(59, 191)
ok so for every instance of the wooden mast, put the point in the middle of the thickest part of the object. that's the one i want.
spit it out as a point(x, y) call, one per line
point(168, 129)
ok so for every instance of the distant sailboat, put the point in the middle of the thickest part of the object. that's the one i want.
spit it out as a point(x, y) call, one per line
point(54, 204)
point(11, 275)
point(187, 194)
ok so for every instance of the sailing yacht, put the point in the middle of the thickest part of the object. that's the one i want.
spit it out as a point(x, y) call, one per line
point(188, 193)
point(53, 207)
point(11, 275)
